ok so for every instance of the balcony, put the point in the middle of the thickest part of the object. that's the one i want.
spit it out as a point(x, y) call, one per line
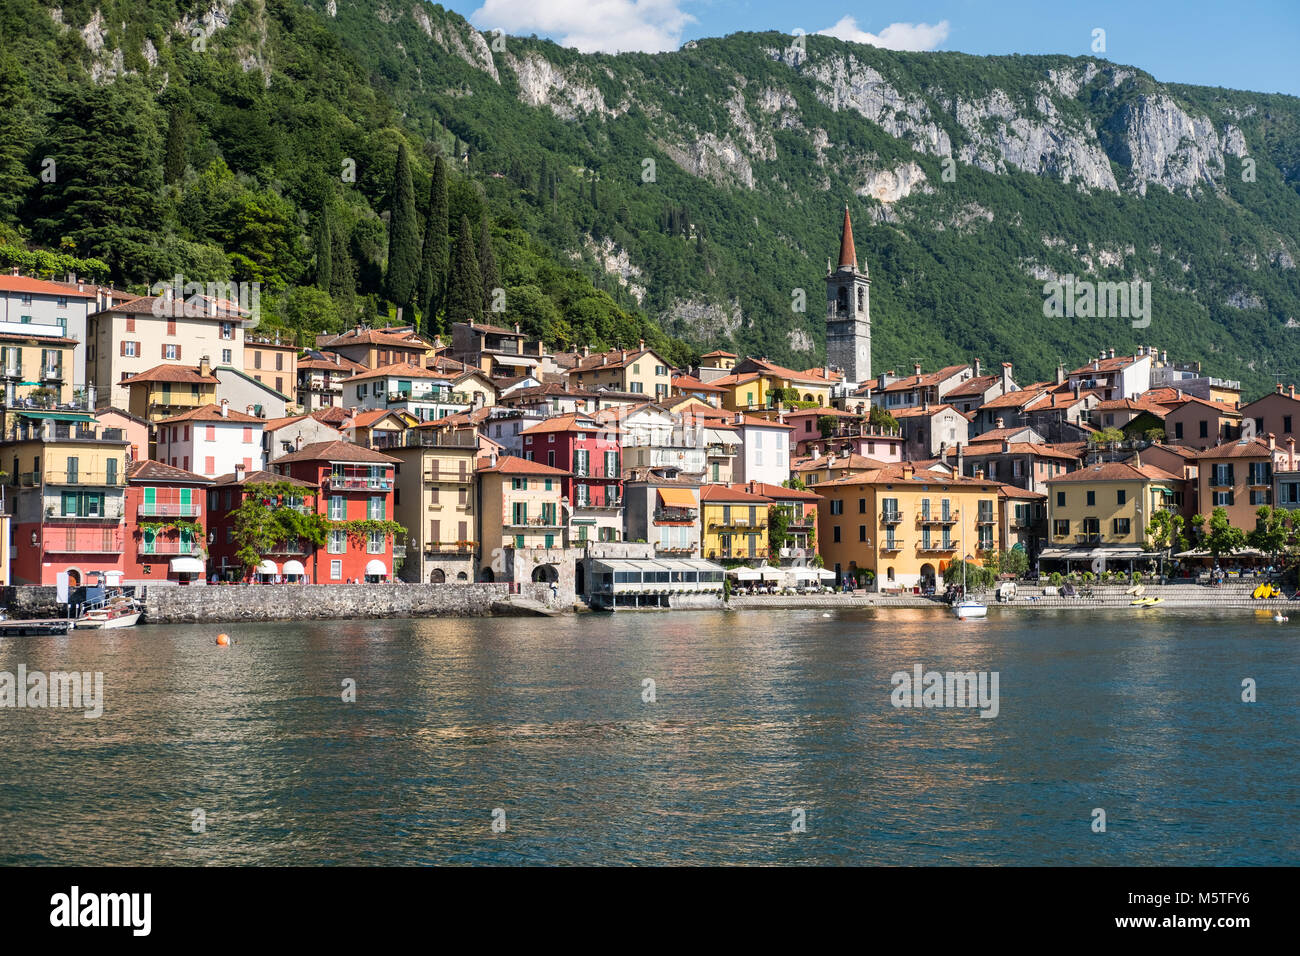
point(358, 483)
point(938, 546)
point(985, 517)
point(399, 551)
point(892, 544)
point(433, 398)
point(11, 371)
point(425, 438)
point(82, 541)
point(285, 547)
point(166, 548)
point(676, 514)
point(167, 509)
point(891, 517)
point(542, 522)
point(596, 505)
point(52, 373)
point(1091, 538)
point(720, 450)
point(53, 476)
point(450, 547)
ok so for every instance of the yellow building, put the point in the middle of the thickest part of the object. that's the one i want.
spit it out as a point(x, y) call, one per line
point(904, 524)
point(756, 384)
point(167, 390)
point(435, 501)
point(1106, 507)
point(643, 372)
point(36, 367)
point(733, 522)
point(518, 506)
point(272, 362)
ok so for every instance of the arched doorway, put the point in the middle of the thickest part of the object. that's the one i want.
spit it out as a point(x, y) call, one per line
point(927, 575)
point(579, 578)
point(437, 576)
point(545, 574)
point(462, 576)
point(486, 576)
point(74, 578)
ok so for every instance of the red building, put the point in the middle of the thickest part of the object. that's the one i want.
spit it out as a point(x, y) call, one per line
point(590, 452)
point(166, 509)
point(225, 497)
point(347, 484)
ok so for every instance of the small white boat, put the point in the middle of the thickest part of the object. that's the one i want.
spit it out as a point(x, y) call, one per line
point(969, 609)
point(119, 612)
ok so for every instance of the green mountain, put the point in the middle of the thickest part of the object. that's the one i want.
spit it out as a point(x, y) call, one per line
point(696, 192)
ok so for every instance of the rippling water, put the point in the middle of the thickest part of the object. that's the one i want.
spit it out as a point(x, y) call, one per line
point(757, 713)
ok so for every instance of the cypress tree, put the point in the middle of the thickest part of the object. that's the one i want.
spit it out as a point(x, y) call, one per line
point(433, 259)
point(174, 160)
point(464, 301)
point(403, 238)
point(343, 276)
point(324, 244)
point(487, 263)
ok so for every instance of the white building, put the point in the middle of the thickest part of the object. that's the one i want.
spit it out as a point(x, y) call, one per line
point(211, 440)
point(66, 306)
point(764, 450)
point(426, 394)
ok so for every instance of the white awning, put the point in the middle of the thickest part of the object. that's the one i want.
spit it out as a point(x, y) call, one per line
point(268, 568)
point(745, 574)
point(115, 577)
point(769, 573)
point(826, 574)
point(185, 566)
point(294, 567)
point(376, 568)
point(807, 574)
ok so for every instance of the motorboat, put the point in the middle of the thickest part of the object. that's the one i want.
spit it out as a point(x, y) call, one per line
point(119, 611)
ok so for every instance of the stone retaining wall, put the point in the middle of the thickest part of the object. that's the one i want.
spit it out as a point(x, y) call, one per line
point(282, 602)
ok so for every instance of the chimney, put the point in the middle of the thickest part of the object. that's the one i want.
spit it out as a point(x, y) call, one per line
point(1060, 375)
point(1164, 357)
point(1112, 353)
point(916, 368)
point(248, 410)
point(977, 368)
point(239, 472)
point(1096, 366)
point(225, 408)
point(1292, 390)
point(640, 345)
point(1290, 454)
point(516, 328)
point(205, 366)
point(1006, 447)
point(1272, 441)
point(1279, 388)
point(817, 450)
point(979, 472)
point(739, 418)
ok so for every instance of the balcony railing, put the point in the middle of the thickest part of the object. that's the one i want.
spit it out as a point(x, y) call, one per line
point(167, 509)
point(676, 514)
point(892, 544)
point(542, 522)
point(425, 438)
point(358, 483)
point(606, 503)
point(285, 547)
point(162, 546)
point(437, 398)
point(52, 373)
point(450, 547)
point(891, 517)
point(718, 450)
point(938, 546)
point(79, 542)
point(53, 476)
point(1089, 538)
point(11, 371)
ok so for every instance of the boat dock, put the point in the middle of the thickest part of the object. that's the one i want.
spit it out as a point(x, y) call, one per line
point(34, 628)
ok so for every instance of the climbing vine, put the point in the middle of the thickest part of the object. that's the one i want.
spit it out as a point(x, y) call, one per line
point(263, 521)
point(361, 528)
point(194, 527)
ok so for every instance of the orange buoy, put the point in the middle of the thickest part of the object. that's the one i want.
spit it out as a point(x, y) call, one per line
point(223, 640)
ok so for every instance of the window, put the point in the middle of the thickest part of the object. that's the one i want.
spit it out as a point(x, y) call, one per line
point(1178, 430)
point(375, 508)
point(73, 469)
point(257, 359)
point(209, 465)
point(375, 543)
point(1061, 528)
point(336, 570)
point(1060, 499)
point(338, 542)
point(1122, 527)
point(1222, 498)
point(226, 356)
point(862, 532)
point(338, 508)
point(130, 349)
point(279, 361)
point(862, 506)
point(1261, 497)
point(171, 326)
point(227, 330)
point(1286, 424)
point(248, 435)
point(836, 535)
point(1121, 496)
point(110, 471)
point(1205, 428)
point(1222, 475)
point(171, 351)
point(837, 506)
point(1092, 498)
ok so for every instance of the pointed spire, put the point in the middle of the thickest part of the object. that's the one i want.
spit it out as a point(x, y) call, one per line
point(848, 256)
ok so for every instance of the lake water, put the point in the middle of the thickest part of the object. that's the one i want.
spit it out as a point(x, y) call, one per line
point(756, 714)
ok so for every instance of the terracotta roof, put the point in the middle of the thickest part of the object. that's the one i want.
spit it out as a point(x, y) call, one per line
point(729, 380)
point(999, 434)
point(1131, 405)
point(400, 370)
point(852, 461)
point(1115, 471)
point(182, 308)
point(368, 418)
point(925, 379)
point(47, 339)
point(1011, 491)
point(1162, 396)
point(271, 424)
point(690, 383)
point(514, 465)
point(336, 450)
point(718, 353)
point(918, 411)
point(493, 329)
point(1252, 448)
point(1108, 364)
point(978, 449)
point(752, 421)
point(618, 358)
point(334, 415)
point(731, 493)
point(1179, 450)
point(977, 385)
point(183, 374)
point(150, 470)
point(374, 337)
point(820, 373)
point(780, 371)
point(572, 422)
point(343, 364)
point(1219, 407)
point(1018, 398)
point(898, 472)
point(262, 477)
point(777, 492)
point(848, 256)
point(12, 283)
point(212, 413)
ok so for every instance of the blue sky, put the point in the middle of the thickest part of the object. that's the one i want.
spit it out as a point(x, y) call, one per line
point(1243, 44)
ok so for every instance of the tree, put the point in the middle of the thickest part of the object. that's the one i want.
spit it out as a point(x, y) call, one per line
point(1222, 537)
point(433, 254)
point(826, 425)
point(174, 162)
point(403, 271)
point(1165, 531)
point(487, 263)
point(880, 417)
point(465, 285)
point(343, 278)
point(265, 519)
point(16, 137)
point(1105, 436)
point(1196, 529)
point(1013, 561)
point(1272, 531)
point(324, 249)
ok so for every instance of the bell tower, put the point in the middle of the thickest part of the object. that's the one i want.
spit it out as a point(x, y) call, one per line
point(848, 313)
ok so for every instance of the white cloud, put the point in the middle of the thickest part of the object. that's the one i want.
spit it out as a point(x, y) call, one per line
point(608, 26)
point(896, 36)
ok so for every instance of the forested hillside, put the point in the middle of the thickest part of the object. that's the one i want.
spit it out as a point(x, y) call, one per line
point(689, 194)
